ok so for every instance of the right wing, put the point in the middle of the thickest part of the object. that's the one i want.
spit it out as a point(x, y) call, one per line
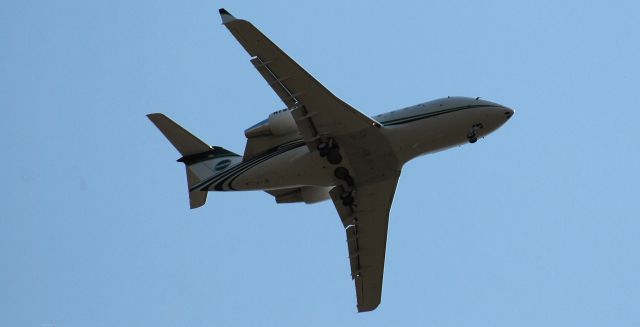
point(317, 111)
point(366, 223)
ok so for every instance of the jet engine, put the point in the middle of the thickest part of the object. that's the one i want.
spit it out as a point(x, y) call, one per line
point(278, 123)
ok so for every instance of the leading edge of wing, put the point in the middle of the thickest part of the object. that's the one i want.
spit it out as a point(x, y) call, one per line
point(292, 83)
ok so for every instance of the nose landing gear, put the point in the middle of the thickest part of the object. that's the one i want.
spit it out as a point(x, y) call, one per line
point(472, 136)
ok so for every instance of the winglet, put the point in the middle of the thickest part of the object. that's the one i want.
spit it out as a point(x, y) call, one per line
point(226, 16)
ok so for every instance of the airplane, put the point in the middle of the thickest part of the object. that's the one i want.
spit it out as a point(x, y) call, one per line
point(319, 147)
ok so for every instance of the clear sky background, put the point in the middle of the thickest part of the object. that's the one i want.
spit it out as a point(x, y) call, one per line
point(535, 225)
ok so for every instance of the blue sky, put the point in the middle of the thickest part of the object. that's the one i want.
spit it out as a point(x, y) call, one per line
point(536, 225)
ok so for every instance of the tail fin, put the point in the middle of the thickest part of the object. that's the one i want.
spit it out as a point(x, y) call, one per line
point(201, 160)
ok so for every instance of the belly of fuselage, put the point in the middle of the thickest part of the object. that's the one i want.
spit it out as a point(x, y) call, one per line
point(294, 168)
point(409, 138)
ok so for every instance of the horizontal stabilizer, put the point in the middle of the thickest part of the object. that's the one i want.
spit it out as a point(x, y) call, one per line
point(182, 140)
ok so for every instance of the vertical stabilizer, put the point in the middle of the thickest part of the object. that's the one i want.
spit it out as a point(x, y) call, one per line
point(196, 198)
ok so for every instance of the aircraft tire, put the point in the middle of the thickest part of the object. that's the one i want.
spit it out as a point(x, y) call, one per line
point(345, 195)
point(322, 145)
point(341, 172)
point(349, 180)
point(334, 156)
point(348, 201)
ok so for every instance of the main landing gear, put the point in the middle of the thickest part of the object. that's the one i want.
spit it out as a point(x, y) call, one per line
point(330, 150)
point(347, 196)
point(472, 136)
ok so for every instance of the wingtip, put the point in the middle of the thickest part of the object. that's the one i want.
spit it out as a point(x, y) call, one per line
point(226, 16)
point(367, 308)
point(153, 115)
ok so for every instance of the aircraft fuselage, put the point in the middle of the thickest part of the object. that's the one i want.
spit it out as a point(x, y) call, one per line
point(412, 131)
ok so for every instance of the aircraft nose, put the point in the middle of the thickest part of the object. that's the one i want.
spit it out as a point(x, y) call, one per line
point(508, 112)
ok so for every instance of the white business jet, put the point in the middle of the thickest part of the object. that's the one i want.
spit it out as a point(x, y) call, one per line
point(320, 148)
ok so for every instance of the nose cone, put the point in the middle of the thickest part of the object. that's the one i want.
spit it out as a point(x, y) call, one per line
point(508, 112)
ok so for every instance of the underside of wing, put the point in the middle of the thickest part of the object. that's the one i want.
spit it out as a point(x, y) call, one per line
point(365, 222)
point(316, 110)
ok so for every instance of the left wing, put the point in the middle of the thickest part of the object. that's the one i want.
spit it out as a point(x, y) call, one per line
point(317, 111)
point(366, 223)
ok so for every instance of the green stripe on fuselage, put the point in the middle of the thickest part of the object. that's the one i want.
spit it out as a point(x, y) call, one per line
point(408, 119)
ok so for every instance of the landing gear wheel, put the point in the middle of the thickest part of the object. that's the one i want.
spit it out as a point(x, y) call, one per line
point(348, 201)
point(347, 198)
point(322, 145)
point(472, 136)
point(349, 180)
point(341, 172)
point(323, 149)
point(334, 156)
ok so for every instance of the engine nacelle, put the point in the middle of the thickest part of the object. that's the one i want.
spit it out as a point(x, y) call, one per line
point(278, 123)
point(306, 194)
